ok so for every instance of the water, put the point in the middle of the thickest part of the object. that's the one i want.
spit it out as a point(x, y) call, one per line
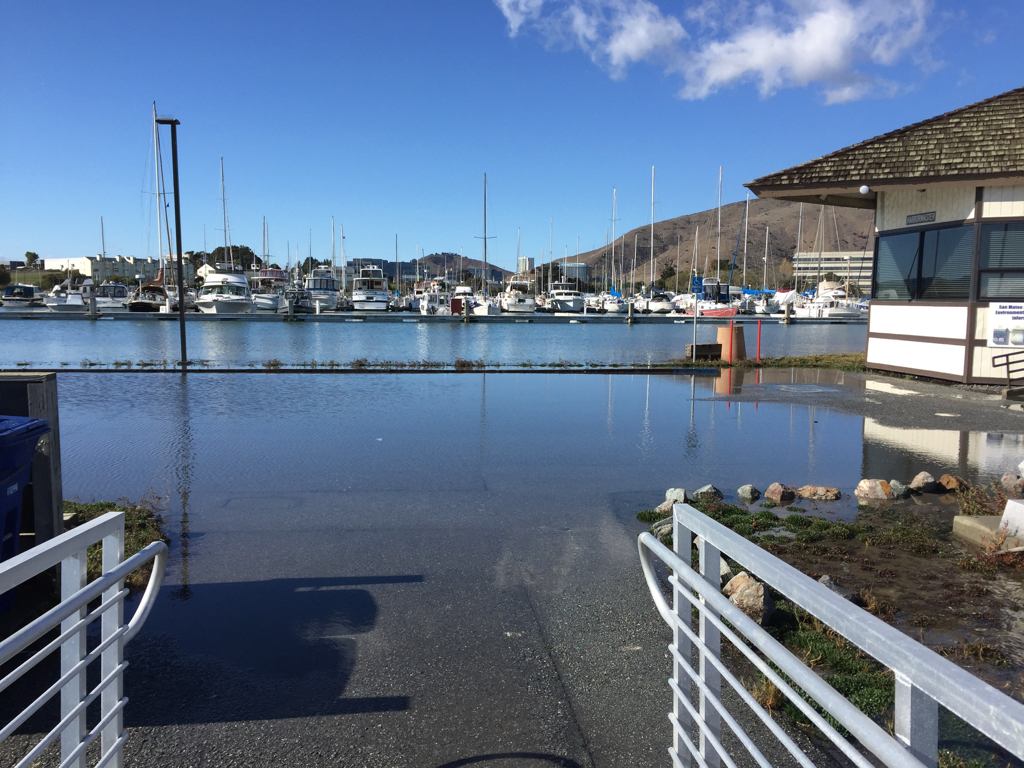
point(56, 343)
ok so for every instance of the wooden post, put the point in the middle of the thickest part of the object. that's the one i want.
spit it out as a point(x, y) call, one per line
point(35, 395)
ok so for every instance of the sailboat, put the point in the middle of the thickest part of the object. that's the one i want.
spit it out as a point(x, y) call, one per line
point(517, 297)
point(484, 304)
point(226, 291)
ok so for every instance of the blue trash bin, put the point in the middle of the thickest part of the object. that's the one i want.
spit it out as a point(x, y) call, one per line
point(18, 438)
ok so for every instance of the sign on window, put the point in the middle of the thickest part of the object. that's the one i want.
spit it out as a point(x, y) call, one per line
point(1006, 324)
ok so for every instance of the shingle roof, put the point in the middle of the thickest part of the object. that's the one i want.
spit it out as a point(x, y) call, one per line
point(980, 140)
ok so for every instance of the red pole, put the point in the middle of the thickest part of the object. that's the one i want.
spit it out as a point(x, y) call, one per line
point(759, 341)
point(732, 340)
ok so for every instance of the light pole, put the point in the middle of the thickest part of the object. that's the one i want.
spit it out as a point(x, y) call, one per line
point(177, 236)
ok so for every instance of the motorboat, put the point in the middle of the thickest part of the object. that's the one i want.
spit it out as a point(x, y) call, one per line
point(324, 287)
point(564, 297)
point(614, 305)
point(462, 300)
point(297, 300)
point(830, 302)
point(268, 288)
point(435, 302)
point(226, 293)
point(659, 304)
point(75, 293)
point(516, 298)
point(370, 290)
point(484, 305)
point(149, 297)
point(18, 295)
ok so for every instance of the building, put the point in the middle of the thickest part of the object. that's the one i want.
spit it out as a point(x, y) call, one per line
point(526, 265)
point(947, 280)
point(857, 264)
point(573, 270)
point(113, 268)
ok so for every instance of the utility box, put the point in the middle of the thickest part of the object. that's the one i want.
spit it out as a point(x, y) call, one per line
point(704, 352)
point(35, 395)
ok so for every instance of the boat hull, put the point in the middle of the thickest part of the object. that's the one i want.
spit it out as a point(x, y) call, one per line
point(226, 306)
point(268, 302)
point(566, 304)
point(724, 312)
point(521, 305)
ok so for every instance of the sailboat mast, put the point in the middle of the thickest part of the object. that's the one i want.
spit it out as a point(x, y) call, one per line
point(799, 238)
point(484, 282)
point(103, 239)
point(613, 237)
point(718, 248)
point(746, 226)
point(156, 184)
point(397, 286)
point(224, 208)
point(650, 288)
point(551, 249)
point(821, 242)
point(344, 261)
point(333, 254)
point(764, 282)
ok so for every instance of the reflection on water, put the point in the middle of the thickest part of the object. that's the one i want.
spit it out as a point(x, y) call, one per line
point(237, 343)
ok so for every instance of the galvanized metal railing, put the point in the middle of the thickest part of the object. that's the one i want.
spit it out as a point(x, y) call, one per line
point(923, 679)
point(72, 616)
point(1013, 362)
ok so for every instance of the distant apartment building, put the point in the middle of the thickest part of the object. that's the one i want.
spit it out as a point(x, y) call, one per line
point(112, 268)
point(526, 264)
point(857, 264)
point(576, 271)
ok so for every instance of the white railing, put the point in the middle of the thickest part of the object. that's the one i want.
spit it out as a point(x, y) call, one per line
point(923, 679)
point(73, 616)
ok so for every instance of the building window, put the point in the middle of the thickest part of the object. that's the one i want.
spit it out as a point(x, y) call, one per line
point(933, 265)
point(1001, 261)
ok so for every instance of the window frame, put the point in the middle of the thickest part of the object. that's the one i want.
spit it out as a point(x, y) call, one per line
point(981, 271)
point(921, 232)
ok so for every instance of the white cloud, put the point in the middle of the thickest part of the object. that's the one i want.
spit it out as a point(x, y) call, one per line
point(773, 43)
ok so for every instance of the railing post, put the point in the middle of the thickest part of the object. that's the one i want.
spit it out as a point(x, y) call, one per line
point(710, 570)
point(111, 621)
point(682, 543)
point(917, 721)
point(72, 651)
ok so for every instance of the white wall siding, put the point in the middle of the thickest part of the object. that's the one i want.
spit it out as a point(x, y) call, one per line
point(946, 360)
point(981, 363)
point(948, 203)
point(1003, 201)
point(914, 320)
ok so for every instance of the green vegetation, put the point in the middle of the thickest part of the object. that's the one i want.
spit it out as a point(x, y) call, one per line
point(651, 516)
point(142, 526)
point(979, 501)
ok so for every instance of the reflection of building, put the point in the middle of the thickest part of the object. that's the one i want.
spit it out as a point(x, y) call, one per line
point(856, 264)
point(949, 233)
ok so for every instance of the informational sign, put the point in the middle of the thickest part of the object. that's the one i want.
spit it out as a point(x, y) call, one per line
point(920, 218)
point(1006, 324)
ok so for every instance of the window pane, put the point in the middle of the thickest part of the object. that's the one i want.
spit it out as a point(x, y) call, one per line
point(896, 277)
point(1002, 246)
point(1002, 285)
point(946, 264)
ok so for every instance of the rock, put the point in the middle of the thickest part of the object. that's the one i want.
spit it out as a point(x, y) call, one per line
point(779, 493)
point(836, 587)
point(899, 490)
point(677, 494)
point(724, 571)
point(873, 489)
point(1012, 483)
point(662, 529)
point(748, 494)
point(707, 492)
point(750, 596)
point(953, 483)
point(665, 508)
point(924, 483)
point(819, 493)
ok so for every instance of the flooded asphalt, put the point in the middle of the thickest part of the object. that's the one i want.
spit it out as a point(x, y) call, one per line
point(441, 570)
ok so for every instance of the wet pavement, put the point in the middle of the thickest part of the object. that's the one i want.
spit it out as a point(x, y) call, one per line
point(441, 570)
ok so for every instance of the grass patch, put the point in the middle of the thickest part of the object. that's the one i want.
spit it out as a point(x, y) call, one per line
point(979, 650)
point(981, 501)
point(651, 516)
point(142, 526)
point(768, 504)
point(839, 362)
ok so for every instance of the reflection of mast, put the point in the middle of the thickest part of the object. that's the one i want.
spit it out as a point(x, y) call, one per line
point(183, 473)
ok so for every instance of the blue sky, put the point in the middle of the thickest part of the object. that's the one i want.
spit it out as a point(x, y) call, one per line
point(387, 114)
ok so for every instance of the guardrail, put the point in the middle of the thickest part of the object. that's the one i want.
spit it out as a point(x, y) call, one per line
point(1013, 362)
point(923, 679)
point(73, 615)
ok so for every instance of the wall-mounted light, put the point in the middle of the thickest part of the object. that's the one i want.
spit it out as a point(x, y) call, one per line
point(865, 189)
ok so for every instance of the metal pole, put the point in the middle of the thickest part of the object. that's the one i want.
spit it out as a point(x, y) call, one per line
point(177, 241)
point(758, 341)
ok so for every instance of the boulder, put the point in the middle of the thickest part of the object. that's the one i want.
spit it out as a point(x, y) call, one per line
point(677, 494)
point(748, 494)
point(665, 508)
point(873, 489)
point(819, 493)
point(953, 483)
point(899, 490)
point(662, 529)
point(835, 586)
point(707, 493)
point(1012, 483)
point(724, 571)
point(779, 493)
point(750, 596)
point(924, 483)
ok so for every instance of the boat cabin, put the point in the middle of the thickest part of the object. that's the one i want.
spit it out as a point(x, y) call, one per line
point(947, 281)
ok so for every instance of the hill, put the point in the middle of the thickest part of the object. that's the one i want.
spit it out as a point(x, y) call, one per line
point(437, 262)
point(855, 228)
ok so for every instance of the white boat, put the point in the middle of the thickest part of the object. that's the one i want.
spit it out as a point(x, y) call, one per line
point(73, 295)
point(614, 305)
point(324, 287)
point(268, 289)
point(226, 293)
point(659, 304)
point(297, 301)
point(436, 301)
point(370, 290)
point(484, 305)
point(516, 298)
point(18, 295)
point(830, 302)
point(564, 297)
